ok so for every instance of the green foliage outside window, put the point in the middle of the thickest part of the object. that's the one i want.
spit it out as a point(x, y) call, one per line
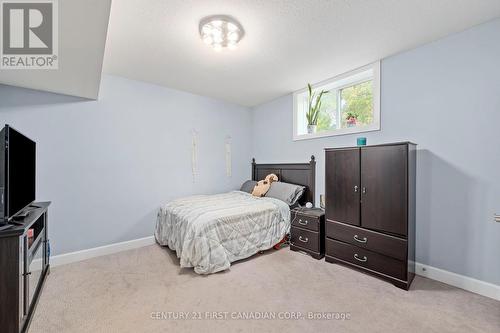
point(356, 100)
point(326, 117)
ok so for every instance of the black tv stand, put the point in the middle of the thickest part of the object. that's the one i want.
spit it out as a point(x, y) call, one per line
point(7, 226)
point(24, 213)
point(24, 265)
point(17, 222)
point(21, 216)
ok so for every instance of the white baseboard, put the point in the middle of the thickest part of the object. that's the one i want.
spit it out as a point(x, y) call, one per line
point(68, 258)
point(460, 281)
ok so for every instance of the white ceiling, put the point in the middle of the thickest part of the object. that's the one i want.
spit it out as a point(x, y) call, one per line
point(287, 43)
point(82, 37)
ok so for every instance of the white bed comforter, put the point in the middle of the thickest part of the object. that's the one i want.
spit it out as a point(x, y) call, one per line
point(208, 232)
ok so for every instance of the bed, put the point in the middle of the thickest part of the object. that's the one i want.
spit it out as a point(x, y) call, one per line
point(209, 232)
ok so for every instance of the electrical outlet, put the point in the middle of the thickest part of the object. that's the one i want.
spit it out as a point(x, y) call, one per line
point(322, 201)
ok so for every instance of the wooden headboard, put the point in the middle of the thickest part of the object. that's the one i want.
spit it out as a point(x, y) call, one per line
point(295, 173)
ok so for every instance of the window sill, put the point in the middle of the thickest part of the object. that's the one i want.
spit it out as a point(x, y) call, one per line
point(343, 131)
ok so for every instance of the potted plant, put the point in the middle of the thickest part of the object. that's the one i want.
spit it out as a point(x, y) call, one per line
point(352, 119)
point(314, 108)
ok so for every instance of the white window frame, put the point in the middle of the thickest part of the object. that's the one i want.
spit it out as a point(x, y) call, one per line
point(336, 83)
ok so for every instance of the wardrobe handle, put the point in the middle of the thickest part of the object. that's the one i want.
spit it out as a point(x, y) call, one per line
point(356, 189)
point(364, 190)
point(364, 259)
point(363, 240)
point(303, 240)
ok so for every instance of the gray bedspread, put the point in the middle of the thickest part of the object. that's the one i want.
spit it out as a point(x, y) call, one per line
point(209, 232)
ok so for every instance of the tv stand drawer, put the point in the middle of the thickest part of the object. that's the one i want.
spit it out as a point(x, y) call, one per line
point(34, 273)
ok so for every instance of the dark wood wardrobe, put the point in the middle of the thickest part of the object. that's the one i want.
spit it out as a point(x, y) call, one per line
point(370, 209)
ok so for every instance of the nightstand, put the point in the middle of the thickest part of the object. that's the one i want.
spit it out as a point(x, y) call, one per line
point(307, 231)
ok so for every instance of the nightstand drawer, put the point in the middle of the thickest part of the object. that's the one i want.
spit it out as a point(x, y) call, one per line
point(370, 240)
point(305, 221)
point(305, 239)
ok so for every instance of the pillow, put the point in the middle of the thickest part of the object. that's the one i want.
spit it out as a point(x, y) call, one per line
point(248, 186)
point(289, 193)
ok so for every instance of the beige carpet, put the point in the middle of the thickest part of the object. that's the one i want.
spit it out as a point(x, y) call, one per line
point(122, 292)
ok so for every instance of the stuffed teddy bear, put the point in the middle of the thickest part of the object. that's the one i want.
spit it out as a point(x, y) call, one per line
point(263, 185)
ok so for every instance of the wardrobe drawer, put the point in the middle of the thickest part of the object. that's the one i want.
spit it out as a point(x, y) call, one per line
point(366, 259)
point(367, 239)
point(305, 239)
point(305, 221)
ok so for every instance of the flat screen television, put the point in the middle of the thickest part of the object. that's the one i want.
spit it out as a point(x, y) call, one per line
point(17, 173)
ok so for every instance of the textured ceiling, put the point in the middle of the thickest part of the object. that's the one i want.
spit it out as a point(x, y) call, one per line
point(287, 43)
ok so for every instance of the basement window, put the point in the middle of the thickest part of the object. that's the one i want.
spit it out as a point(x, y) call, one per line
point(350, 104)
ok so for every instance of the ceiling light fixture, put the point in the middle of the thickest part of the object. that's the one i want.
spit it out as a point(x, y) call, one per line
point(221, 31)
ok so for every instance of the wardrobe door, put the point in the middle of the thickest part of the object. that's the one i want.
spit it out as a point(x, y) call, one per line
point(384, 188)
point(342, 187)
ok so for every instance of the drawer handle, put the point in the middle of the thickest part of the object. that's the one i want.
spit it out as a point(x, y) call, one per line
point(303, 240)
point(303, 222)
point(363, 240)
point(364, 259)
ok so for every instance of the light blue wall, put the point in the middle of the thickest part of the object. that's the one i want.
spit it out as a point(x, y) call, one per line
point(107, 165)
point(445, 96)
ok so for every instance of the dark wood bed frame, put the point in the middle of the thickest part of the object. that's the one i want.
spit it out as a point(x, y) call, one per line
point(296, 173)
